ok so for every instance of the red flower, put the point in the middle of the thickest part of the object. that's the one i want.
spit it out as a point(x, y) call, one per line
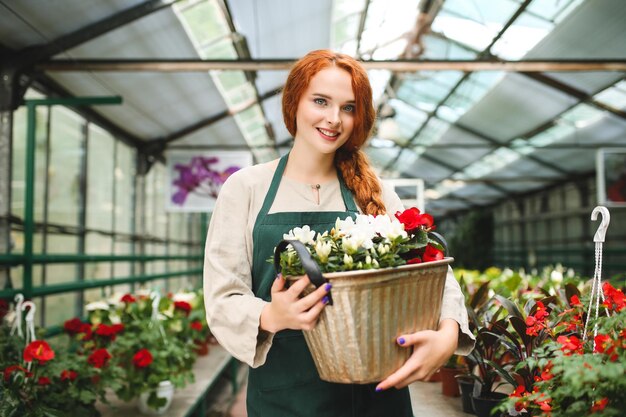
point(127, 298)
point(73, 326)
point(99, 358)
point(599, 405)
point(39, 350)
point(196, 325)
point(614, 299)
point(571, 344)
point(182, 305)
point(412, 219)
point(109, 331)
point(546, 374)
point(521, 393)
point(142, 358)
point(43, 380)
point(68, 375)
point(537, 321)
point(432, 254)
point(10, 369)
point(575, 301)
point(604, 344)
point(416, 260)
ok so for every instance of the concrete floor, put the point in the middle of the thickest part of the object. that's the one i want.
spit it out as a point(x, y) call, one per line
point(426, 398)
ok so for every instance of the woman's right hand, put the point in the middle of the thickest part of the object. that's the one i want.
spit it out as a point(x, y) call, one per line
point(288, 311)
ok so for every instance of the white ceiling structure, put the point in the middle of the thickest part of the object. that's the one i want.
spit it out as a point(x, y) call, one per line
point(475, 137)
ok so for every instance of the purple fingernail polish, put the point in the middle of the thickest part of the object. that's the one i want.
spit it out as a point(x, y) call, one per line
point(325, 300)
point(401, 340)
point(378, 389)
point(328, 286)
point(279, 276)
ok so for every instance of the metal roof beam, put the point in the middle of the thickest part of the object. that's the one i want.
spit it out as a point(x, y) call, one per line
point(399, 65)
point(32, 55)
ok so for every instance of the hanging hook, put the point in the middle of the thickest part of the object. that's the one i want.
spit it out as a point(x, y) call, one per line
point(30, 320)
point(17, 324)
point(604, 224)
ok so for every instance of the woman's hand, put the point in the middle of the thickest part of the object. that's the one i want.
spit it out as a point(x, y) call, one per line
point(431, 349)
point(288, 311)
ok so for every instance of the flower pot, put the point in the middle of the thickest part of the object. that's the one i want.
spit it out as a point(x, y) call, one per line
point(164, 390)
point(449, 385)
point(354, 340)
point(484, 406)
point(201, 347)
point(466, 387)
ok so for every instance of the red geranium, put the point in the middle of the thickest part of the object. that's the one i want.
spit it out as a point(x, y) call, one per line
point(412, 219)
point(432, 254)
point(39, 350)
point(109, 331)
point(73, 326)
point(614, 299)
point(570, 345)
point(8, 371)
point(142, 358)
point(99, 358)
point(128, 298)
point(599, 405)
point(68, 375)
point(196, 325)
point(182, 305)
point(43, 380)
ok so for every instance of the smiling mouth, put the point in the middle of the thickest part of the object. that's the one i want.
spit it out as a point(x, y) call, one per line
point(328, 133)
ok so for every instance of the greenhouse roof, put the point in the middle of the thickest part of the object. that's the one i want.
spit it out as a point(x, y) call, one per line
point(475, 137)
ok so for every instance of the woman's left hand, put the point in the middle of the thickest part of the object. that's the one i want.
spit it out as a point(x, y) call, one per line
point(431, 349)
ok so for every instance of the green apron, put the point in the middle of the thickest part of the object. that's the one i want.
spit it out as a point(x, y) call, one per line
point(288, 384)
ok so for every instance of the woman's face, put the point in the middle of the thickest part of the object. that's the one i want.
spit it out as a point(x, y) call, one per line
point(325, 115)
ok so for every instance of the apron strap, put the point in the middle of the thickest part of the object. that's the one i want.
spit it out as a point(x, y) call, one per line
point(348, 198)
point(271, 193)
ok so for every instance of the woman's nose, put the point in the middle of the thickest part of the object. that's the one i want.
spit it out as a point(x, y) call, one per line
point(332, 117)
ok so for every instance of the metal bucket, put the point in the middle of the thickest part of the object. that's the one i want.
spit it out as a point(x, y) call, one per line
point(354, 340)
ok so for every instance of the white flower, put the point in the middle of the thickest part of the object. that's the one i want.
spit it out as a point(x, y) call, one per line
point(347, 259)
point(115, 319)
point(323, 250)
point(188, 297)
point(388, 228)
point(97, 305)
point(350, 245)
point(304, 234)
point(368, 260)
point(556, 276)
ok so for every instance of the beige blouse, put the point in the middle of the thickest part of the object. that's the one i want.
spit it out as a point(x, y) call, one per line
point(233, 312)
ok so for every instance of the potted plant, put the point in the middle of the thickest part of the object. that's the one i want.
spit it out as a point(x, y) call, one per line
point(371, 262)
point(454, 367)
point(578, 377)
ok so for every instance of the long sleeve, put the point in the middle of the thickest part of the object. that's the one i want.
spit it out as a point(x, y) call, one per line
point(232, 310)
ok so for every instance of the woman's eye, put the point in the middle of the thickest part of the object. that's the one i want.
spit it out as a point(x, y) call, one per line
point(349, 108)
point(319, 101)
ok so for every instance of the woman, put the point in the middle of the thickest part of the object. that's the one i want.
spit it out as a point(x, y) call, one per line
point(327, 107)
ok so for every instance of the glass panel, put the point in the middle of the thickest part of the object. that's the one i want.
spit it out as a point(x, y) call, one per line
point(64, 169)
point(222, 49)
point(614, 96)
point(385, 25)
point(124, 180)
point(521, 37)
point(345, 29)
point(59, 307)
point(100, 167)
point(473, 23)
point(18, 184)
point(203, 21)
point(437, 47)
point(97, 244)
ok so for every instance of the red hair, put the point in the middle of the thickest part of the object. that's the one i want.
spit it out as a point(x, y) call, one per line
point(349, 159)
